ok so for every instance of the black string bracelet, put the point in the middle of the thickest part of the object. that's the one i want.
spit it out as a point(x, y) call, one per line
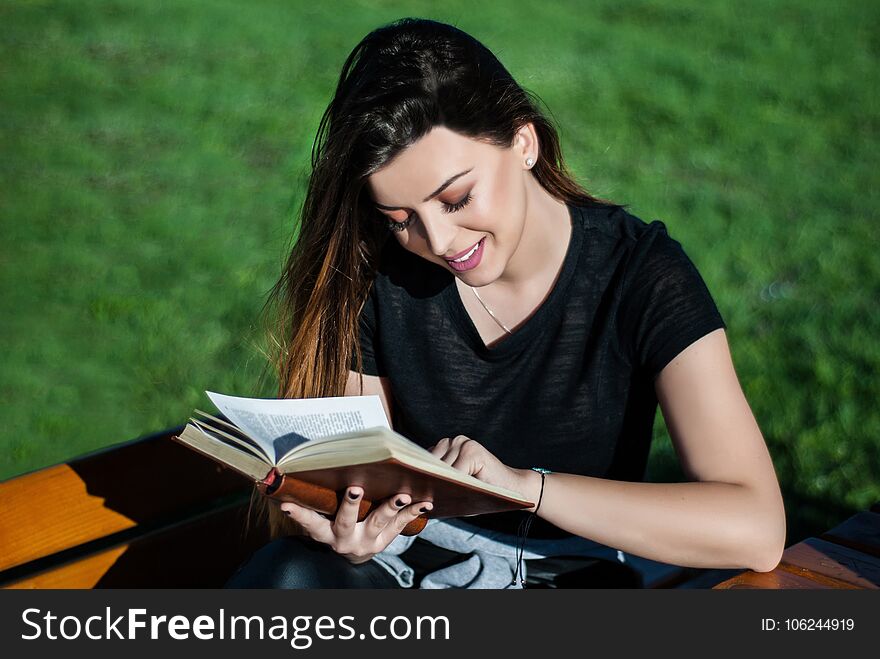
point(523, 531)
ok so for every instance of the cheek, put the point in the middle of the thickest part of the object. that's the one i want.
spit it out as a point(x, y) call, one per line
point(497, 215)
point(504, 205)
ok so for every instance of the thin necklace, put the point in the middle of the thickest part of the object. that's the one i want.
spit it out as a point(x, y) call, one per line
point(494, 317)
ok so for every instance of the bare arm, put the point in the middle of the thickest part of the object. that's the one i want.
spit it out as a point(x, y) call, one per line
point(731, 516)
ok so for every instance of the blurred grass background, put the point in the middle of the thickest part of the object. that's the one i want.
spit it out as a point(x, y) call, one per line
point(153, 155)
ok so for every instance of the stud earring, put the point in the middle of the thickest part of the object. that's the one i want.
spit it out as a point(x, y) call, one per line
point(529, 161)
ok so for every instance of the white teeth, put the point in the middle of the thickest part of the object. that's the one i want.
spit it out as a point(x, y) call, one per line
point(468, 255)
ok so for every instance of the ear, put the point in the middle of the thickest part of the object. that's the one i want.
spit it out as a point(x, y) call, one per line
point(525, 143)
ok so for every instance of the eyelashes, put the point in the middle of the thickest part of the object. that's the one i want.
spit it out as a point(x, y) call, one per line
point(397, 227)
point(457, 206)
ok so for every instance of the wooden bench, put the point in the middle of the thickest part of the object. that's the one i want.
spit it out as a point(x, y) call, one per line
point(145, 514)
point(151, 513)
point(845, 557)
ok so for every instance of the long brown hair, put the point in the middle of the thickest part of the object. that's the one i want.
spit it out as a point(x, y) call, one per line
point(398, 83)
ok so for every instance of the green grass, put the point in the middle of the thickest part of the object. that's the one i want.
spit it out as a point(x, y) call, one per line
point(153, 154)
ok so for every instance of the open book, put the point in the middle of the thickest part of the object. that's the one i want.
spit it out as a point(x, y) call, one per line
point(310, 450)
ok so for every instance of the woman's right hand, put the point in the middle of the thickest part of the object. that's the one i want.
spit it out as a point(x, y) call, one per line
point(358, 541)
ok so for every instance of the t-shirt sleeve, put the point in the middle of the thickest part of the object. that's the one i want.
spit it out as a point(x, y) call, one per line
point(368, 338)
point(667, 305)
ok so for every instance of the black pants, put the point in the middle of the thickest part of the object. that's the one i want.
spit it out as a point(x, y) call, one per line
point(299, 562)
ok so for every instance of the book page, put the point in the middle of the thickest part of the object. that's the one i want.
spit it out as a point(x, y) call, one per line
point(280, 424)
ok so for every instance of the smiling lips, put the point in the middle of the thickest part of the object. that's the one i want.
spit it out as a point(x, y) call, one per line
point(468, 259)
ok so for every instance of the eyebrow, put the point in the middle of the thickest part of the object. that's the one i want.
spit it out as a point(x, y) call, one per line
point(445, 185)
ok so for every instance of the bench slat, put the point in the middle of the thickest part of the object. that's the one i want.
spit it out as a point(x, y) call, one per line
point(150, 481)
point(781, 579)
point(817, 556)
point(199, 553)
point(860, 532)
point(85, 573)
point(49, 511)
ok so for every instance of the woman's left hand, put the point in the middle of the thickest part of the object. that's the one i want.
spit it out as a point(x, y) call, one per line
point(471, 457)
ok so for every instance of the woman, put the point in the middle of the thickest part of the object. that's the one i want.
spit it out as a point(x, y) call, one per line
point(508, 320)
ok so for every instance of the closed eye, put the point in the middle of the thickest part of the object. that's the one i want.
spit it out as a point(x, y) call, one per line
point(457, 206)
point(395, 225)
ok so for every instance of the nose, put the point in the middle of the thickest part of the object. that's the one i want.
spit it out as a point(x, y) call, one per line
point(439, 233)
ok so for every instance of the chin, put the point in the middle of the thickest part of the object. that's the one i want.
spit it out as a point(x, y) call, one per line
point(479, 277)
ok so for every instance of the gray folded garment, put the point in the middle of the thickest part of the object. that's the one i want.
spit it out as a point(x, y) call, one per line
point(489, 557)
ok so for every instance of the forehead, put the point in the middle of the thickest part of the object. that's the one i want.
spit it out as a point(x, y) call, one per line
point(420, 168)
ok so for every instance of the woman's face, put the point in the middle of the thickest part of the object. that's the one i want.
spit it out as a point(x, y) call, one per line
point(453, 197)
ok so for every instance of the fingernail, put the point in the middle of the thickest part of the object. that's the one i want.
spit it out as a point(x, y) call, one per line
point(399, 503)
point(353, 495)
point(426, 508)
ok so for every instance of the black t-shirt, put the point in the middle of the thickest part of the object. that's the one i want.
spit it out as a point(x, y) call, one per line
point(572, 389)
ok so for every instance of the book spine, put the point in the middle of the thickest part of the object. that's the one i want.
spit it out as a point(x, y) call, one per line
point(283, 487)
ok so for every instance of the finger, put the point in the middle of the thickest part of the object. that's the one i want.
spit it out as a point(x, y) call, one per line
point(347, 513)
point(288, 507)
point(403, 518)
point(474, 459)
point(385, 514)
point(465, 462)
point(314, 524)
point(452, 453)
point(456, 445)
point(440, 448)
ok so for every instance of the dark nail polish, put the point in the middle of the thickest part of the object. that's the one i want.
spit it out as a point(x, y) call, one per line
point(424, 509)
point(353, 496)
point(399, 503)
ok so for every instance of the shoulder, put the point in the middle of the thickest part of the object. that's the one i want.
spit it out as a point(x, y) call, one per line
point(619, 242)
point(615, 224)
point(664, 302)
